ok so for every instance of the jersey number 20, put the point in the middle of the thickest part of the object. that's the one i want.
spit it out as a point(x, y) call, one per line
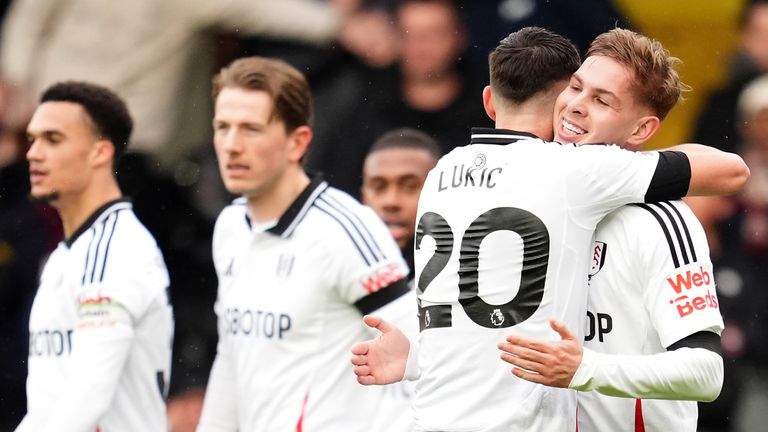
point(535, 238)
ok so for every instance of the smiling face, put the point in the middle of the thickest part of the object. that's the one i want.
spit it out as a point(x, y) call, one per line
point(599, 106)
point(392, 181)
point(252, 145)
point(62, 151)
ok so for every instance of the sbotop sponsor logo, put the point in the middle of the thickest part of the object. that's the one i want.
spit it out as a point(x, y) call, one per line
point(50, 342)
point(247, 322)
point(697, 289)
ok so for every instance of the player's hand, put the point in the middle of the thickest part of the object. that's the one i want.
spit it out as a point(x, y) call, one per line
point(543, 362)
point(381, 360)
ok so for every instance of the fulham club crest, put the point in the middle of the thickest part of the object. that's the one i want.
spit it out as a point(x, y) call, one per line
point(599, 250)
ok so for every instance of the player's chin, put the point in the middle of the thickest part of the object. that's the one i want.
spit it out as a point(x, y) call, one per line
point(235, 186)
point(43, 195)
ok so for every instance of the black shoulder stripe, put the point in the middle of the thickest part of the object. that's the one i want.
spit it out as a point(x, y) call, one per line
point(671, 178)
point(357, 224)
point(685, 229)
point(382, 297)
point(349, 234)
point(106, 248)
point(676, 228)
point(98, 247)
point(665, 230)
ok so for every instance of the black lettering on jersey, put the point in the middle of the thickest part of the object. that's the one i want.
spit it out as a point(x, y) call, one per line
point(469, 177)
point(599, 324)
point(50, 343)
point(247, 322)
point(530, 292)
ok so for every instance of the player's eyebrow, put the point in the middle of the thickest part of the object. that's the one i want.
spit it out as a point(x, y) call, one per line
point(47, 134)
point(599, 90)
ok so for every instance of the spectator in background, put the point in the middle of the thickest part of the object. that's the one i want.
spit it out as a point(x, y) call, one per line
point(717, 124)
point(28, 231)
point(580, 22)
point(145, 50)
point(393, 174)
point(737, 230)
point(432, 89)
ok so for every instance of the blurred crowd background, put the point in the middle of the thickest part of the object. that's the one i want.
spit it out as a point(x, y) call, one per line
point(374, 65)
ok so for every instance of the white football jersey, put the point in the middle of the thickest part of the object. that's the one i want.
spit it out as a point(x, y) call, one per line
point(503, 235)
point(100, 330)
point(289, 308)
point(651, 284)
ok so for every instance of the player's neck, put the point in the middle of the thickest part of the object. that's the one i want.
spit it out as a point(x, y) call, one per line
point(272, 204)
point(532, 116)
point(75, 209)
point(530, 122)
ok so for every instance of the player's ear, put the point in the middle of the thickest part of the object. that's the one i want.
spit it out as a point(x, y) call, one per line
point(488, 103)
point(298, 142)
point(644, 130)
point(103, 152)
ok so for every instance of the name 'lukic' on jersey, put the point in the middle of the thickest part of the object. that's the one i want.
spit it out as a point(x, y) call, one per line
point(468, 177)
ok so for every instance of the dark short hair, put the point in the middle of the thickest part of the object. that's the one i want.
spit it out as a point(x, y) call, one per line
point(529, 61)
point(107, 111)
point(407, 138)
point(285, 84)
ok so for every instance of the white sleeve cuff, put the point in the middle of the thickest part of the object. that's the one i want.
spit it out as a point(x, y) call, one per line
point(683, 374)
point(412, 371)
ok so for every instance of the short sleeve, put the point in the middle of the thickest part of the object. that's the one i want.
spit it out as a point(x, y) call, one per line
point(126, 274)
point(680, 285)
point(372, 271)
point(607, 177)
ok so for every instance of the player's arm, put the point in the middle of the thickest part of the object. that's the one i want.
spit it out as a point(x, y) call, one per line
point(679, 295)
point(220, 405)
point(101, 342)
point(712, 171)
point(219, 411)
point(691, 370)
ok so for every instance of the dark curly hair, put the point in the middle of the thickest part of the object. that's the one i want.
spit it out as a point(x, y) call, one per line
point(108, 112)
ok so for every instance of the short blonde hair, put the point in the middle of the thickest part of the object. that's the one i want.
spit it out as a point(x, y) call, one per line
point(656, 82)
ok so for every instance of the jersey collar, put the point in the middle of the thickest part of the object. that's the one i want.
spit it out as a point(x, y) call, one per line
point(498, 136)
point(296, 211)
point(124, 203)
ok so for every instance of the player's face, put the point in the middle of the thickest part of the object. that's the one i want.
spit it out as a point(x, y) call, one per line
point(62, 147)
point(392, 181)
point(598, 105)
point(253, 148)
